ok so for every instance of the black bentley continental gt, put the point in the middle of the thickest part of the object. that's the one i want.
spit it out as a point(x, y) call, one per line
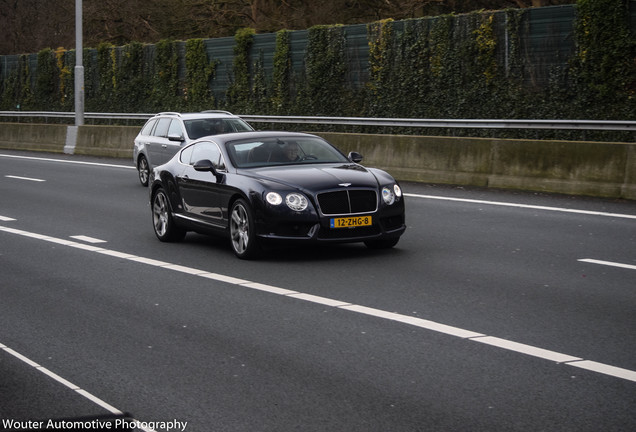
point(258, 187)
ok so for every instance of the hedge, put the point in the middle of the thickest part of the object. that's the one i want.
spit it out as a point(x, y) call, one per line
point(452, 66)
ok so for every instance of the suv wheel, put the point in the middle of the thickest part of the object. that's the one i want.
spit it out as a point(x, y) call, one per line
point(144, 170)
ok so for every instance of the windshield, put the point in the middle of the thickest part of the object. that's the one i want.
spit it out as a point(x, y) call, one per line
point(213, 126)
point(282, 151)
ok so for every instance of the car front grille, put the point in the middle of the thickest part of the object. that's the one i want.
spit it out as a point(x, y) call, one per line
point(349, 201)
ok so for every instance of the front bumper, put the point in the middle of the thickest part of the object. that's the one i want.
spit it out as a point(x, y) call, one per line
point(386, 224)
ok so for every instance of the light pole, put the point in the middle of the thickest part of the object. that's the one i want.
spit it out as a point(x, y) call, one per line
point(79, 67)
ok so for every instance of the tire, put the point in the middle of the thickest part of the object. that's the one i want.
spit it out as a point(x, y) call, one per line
point(143, 170)
point(382, 244)
point(242, 234)
point(163, 223)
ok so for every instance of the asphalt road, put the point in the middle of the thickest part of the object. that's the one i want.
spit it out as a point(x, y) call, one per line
point(497, 311)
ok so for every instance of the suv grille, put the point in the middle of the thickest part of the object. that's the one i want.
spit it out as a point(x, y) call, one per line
point(348, 202)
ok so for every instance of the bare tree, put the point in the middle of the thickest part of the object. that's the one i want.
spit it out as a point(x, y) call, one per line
point(27, 26)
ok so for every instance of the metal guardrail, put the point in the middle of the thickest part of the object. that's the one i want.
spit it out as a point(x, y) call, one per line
point(71, 115)
point(614, 125)
point(452, 123)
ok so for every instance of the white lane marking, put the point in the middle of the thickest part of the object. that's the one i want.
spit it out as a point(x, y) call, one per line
point(268, 288)
point(608, 263)
point(115, 254)
point(87, 395)
point(149, 261)
point(417, 322)
point(20, 356)
point(223, 278)
point(25, 178)
point(184, 269)
point(88, 239)
point(61, 380)
point(68, 161)
point(606, 369)
point(527, 349)
point(6, 219)
point(320, 300)
point(526, 206)
point(378, 313)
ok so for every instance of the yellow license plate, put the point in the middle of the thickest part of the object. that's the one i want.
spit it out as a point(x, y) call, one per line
point(351, 222)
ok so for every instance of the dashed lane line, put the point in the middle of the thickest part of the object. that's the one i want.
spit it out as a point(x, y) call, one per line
point(69, 161)
point(25, 178)
point(469, 335)
point(105, 405)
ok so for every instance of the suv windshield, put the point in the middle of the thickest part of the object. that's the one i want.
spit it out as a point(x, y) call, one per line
point(198, 128)
point(282, 151)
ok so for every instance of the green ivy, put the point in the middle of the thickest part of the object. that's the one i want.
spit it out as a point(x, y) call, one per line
point(605, 61)
point(199, 72)
point(165, 92)
point(132, 79)
point(325, 90)
point(47, 80)
point(281, 87)
point(382, 50)
point(239, 91)
point(16, 92)
point(66, 64)
point(451, 66)
point(106, 84)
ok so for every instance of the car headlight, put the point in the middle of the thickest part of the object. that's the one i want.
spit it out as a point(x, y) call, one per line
point(388, 195)
point(296, 201)
point(274, 198)
point(391, 194)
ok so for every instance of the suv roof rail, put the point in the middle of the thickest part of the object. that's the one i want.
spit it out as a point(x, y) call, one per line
point(217, 112)
point(169, 113)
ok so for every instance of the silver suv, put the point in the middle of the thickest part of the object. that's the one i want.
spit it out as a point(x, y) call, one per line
point(165, 133)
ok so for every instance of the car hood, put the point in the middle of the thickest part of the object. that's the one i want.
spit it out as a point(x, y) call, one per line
point(318, 177)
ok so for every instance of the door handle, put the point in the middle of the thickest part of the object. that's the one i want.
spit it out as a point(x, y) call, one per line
point(164, 146)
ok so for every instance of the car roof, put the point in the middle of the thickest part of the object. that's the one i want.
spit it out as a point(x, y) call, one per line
point(198, 115)
point(223, 138)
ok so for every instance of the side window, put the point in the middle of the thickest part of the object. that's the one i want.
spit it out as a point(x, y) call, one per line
point(208, 150)
point(186, 155)
point(147, 129)
point(162, 127)
point(175, 128)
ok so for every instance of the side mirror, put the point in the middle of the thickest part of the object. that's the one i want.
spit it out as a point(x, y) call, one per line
point(355, 157)
point(175, 137)
point(206, 165)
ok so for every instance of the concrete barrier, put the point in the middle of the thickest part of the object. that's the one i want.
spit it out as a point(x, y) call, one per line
point(570, 167)
point(106, 141)
point(33, 137)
